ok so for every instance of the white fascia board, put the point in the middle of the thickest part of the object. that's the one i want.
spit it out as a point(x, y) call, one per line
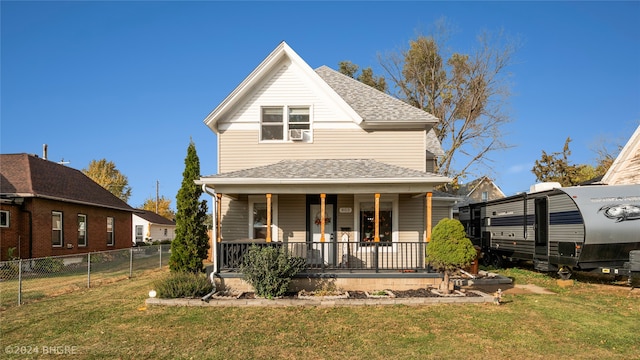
point(324, 188)
point(254, 77)
point(625, 154)
point(294, 181)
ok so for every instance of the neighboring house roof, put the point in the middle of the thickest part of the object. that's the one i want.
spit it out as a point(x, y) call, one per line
point(469, 188)
point(327, 172)
point(24, 175)
point(466, 191)
point(153, 218)
point(626, 167)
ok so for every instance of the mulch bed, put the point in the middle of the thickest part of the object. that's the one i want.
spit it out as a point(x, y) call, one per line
point(414, 293)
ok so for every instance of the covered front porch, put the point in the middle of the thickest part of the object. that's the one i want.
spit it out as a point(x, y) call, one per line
point(355, 227)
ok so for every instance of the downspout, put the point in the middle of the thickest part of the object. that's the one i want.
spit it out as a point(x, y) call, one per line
point(214, 233)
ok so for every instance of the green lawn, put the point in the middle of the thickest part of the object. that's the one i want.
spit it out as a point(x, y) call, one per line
point(587, 321)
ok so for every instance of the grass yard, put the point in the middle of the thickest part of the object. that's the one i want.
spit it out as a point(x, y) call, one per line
point(586, 321)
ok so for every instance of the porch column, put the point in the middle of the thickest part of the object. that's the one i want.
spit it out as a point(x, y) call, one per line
point(429, 211)
point(322, 216)
point(218, 217)
point(376, 226)
point(268, 239)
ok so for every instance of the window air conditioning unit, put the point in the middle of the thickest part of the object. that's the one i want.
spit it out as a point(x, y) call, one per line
point(296, 134)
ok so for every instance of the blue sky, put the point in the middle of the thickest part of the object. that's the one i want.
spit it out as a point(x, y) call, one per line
point(132, 81)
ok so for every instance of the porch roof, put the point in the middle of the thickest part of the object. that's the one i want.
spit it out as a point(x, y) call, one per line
point(324, 176)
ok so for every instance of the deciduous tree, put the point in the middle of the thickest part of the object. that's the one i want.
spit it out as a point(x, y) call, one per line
point(109, 177)
point(163, 207)
point(190, 246)
point(557, 167)
point(366, 75)
point(467, 92)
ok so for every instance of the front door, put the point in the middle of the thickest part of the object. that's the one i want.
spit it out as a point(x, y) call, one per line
point(322, 252)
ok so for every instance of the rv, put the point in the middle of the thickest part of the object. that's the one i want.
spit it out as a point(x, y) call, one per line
point(564, 229)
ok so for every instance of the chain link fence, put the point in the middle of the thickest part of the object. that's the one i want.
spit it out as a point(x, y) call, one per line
point(25, 280)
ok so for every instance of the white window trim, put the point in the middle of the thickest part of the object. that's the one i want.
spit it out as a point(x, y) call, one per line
point(285, 123)
point(253, 199)
point(395, 235)
point(8, 217)
point(86, 227)
point(59, 213)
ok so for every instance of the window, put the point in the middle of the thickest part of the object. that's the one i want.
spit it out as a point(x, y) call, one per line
point(258, 217)
point(82, 230)
point(110, 238)
point(139, 229)
point(4, 218)
point(165, 232)
point(296, 125)
point(485, 196)
point(56, 228)
point(367, 223)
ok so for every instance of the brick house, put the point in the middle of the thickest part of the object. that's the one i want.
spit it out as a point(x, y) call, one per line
point(48, 209)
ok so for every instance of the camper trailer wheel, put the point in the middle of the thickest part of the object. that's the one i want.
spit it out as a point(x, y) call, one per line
point(564, 273)
point(497, 261)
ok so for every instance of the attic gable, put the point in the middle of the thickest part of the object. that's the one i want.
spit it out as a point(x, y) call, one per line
point(626, 167)
point(281, 56)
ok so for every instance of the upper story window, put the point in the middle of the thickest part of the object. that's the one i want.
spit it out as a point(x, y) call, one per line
point(4, 218)
point(56, 228)
point(485, 196)
point(285, 123)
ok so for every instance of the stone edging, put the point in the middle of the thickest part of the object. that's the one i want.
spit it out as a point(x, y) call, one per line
point(483, 298)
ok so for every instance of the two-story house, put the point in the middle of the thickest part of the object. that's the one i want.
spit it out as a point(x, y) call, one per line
point(335, 170)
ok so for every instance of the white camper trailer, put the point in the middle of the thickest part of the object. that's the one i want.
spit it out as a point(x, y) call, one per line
point(582, 228)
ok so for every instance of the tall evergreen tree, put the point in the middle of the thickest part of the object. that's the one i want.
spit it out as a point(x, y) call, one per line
point(191, 243)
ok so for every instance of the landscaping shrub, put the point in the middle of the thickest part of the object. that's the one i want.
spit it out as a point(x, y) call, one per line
point(269, 270)
point(183, 285)
point(449, 247)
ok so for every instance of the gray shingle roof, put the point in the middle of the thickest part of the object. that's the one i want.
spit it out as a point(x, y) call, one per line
point(154, 218)
point(325, 169)
point(371, 104)
point(376, 106)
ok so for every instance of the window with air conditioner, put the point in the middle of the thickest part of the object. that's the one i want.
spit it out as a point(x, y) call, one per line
point(285, 123)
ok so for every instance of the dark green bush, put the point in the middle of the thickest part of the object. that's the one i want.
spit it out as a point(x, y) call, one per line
point(48, 265)
point(183, 285)
point(269, 270)
point(449, 248)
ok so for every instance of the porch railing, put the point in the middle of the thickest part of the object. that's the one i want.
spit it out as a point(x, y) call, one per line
point(334, 256)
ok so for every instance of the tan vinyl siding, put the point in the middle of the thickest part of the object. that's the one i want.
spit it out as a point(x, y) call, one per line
point(345, 220)
point(235, 218)
point(285, 87)
point(412, 215)
point(240, 149)
point(292, 218)
point(411, 218)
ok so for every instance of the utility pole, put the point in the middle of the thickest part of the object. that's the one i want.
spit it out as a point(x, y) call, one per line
point(157, 199)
